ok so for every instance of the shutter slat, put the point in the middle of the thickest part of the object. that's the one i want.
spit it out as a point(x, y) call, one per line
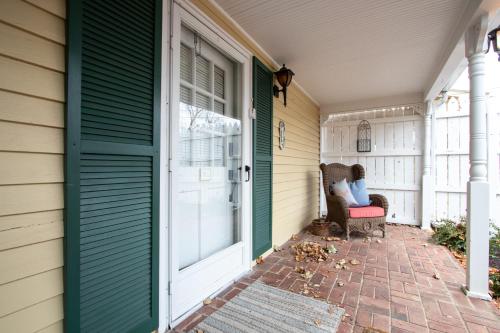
point(108, 320)
point(91, 310)
point(118, 244)
point(136, 114)
point(113, 255)
point(89, 291)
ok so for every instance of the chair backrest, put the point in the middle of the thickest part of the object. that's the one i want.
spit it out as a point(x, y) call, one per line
point(336, 172)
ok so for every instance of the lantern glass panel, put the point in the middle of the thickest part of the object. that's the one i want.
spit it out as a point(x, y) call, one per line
point(282, 77)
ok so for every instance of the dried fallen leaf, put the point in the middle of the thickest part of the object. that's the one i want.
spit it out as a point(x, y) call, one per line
point(424, 244)
point(309, 251)
point(331, 249)
point(276, 248)
point(259, 260)
point(378, 241)
point(436, 276)
point(307, 275)
point(200, 331)
point(354, 262)
point(295, 237)
point(340, 283)
point(346, 316)
point(300, 270)
point(317, 322)
point(207, 301)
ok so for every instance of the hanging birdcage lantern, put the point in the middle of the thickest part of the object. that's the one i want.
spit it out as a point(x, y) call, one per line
point(364, 137)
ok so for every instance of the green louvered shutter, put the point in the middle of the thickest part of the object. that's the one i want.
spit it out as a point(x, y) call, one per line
point(262, 158)
point(112, 166)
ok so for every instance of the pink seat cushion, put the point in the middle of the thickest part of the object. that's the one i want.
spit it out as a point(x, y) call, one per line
point(368, 211)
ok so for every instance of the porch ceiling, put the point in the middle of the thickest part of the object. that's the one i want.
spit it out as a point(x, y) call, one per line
point(345, 51)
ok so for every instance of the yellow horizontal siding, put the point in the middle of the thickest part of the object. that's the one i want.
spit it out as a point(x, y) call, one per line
point(296, 167)
point(24, 229)
point(299, 161)
point(28, 138)
point(56, 7)
point(43, 286)
point(27, 47)
point(32, 64)
point(31, 110)
point(21, 77)
point(22, 168)
point(21, 262)
point(54, 328)
point(20, 199)
point(34, 19)
point(34, 317)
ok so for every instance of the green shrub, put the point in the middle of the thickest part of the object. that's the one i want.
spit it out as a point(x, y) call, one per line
point(494, 242)
point(495, 282)
point(450, 234)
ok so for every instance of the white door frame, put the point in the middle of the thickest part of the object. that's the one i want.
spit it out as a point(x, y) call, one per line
point(174, 13)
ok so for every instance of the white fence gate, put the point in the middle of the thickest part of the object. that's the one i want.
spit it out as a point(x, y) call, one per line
point(394, 165)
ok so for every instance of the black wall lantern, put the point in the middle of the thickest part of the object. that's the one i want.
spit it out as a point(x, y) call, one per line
point(284, 77)
point(494, 38)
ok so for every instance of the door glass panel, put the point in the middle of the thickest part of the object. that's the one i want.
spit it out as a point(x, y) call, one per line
point(209, 146)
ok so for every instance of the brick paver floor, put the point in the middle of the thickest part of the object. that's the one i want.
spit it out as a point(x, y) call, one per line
point(393, 289)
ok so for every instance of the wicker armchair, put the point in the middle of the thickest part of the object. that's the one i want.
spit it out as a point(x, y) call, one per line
point(338, 211)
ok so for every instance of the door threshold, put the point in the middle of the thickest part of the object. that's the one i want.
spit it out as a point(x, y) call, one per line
point(179, 320)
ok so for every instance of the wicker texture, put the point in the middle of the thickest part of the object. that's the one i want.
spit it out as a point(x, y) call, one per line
point(337, 207)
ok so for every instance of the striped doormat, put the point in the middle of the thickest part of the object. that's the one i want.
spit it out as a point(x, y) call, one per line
point(261, 308)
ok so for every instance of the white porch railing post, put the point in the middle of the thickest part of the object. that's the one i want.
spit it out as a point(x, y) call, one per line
point(427, 181)
point(478, 187)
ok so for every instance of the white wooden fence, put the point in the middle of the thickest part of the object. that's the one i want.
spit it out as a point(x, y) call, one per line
point(451, 157)
point(394, 165)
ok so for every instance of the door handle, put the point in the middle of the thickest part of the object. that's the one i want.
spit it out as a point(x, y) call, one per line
point(247, 170)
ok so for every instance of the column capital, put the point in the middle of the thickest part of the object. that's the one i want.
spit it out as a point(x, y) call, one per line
point(429, 109)
point(475, 36)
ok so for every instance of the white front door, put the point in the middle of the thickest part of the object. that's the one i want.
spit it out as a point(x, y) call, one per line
point(208, 186)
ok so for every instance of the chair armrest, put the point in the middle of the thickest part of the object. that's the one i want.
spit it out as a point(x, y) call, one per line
point(380, 201)
point(338, 207)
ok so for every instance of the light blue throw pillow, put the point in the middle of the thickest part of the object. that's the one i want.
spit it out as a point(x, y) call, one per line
point(358, 190)
point(342, 189)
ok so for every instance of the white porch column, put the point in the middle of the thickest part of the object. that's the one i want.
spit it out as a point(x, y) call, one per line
point(478, 187)
point(427, 181)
